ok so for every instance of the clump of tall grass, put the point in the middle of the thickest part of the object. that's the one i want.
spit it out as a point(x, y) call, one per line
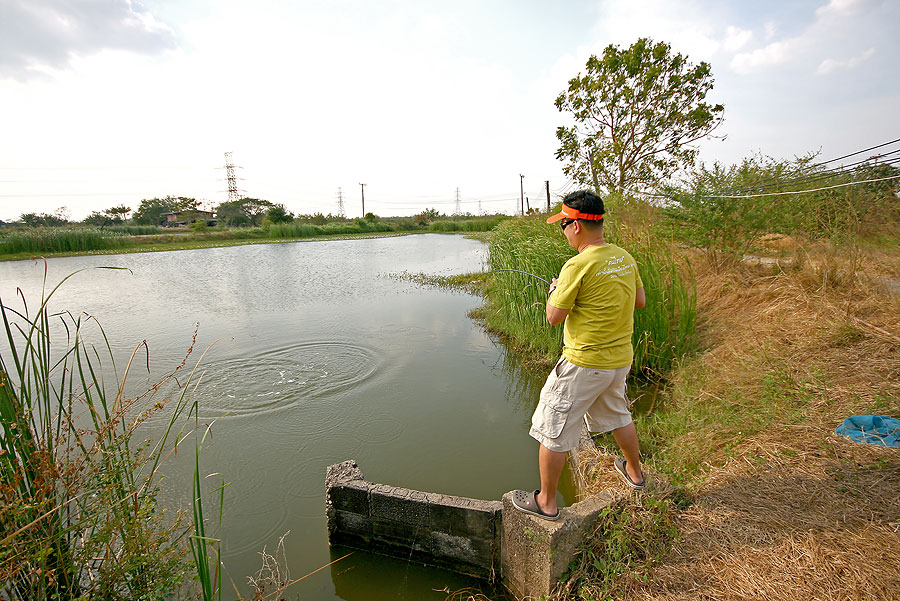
point(133, 230)
point(664, 330)
point(467, 225)
point(61, 239)
point(294, 230)
point(308, 230)
point(517, 301)
point(79, 513)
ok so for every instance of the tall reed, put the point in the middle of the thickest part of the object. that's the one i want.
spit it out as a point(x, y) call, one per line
point(61, 239)
point(134, 230)
point(664, 330)
point(307, 230)
point(79, 514)
point(482, 224)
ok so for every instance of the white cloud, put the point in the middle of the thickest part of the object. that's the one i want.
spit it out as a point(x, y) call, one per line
point(39, 34)
point(840, 8)
point(775, 53)
point(736, 38)
point(830, 65)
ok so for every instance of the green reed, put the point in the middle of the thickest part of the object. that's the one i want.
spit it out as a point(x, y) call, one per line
point(79, 514)
point(664, 330)
point(61, 240)
point(308, 230)
point(134, 230)
point(484, 224)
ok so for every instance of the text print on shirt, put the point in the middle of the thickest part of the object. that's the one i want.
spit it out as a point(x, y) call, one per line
point(613, 268)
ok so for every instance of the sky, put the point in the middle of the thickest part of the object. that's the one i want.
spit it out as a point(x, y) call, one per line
point(108, 102)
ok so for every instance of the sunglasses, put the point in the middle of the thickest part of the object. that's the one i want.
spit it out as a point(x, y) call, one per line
point(565, 223)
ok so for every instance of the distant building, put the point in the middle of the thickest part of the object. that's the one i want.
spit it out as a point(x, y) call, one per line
point(179, 218)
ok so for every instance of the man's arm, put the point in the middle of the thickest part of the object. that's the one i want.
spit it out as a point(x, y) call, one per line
point(640, 299)
point(555, 315)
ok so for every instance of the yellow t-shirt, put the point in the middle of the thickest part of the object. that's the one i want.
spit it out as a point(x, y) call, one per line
point(598, 286)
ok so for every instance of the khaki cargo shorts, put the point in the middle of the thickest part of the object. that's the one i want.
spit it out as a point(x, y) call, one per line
point(573, 394)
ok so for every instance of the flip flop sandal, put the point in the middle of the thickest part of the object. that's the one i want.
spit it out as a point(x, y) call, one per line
point(527, 503)
point(619, 463)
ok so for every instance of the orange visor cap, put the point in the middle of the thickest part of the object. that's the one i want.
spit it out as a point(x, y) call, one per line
point(568, 212)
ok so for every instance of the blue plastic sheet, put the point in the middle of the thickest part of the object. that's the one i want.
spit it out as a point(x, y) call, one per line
point(872, 429)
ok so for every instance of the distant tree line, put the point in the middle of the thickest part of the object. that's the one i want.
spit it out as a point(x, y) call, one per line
point(245, 212)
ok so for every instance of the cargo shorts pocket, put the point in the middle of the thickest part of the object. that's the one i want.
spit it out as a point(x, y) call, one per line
point(551, 414)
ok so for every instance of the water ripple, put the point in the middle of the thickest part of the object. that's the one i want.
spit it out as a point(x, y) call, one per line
point(299, 375)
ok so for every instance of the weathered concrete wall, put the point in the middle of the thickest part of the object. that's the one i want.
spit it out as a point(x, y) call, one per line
point(535, 552)
point(486, 539)
point(457, 533)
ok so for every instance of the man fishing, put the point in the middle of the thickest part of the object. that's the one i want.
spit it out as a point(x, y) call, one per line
point(596, 294)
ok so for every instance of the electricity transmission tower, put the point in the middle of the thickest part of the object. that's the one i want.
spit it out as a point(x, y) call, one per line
point(340, 202)
point(456, 209)
point(233, 192)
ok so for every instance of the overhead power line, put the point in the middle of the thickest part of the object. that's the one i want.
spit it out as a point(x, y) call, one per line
point(865, 181)
point(817, 173)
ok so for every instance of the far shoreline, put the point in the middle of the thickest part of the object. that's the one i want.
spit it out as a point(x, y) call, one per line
point(211, 243)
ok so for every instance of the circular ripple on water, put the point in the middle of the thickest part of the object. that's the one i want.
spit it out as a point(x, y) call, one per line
point(275, 380)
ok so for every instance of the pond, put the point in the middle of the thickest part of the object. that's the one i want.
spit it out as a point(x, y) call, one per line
point(321, 354)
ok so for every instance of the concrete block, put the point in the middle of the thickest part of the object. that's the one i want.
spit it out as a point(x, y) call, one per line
point(460, 516)
point(402, 534)
point(350, 496)
point(399, 505)
point(536, 552)
point(344, 471)
point(461, 549)
point(353, 525)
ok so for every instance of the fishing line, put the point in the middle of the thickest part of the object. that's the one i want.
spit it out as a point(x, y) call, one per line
point(526, 273)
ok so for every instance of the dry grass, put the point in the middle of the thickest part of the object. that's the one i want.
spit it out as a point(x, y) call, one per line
point(783, 508)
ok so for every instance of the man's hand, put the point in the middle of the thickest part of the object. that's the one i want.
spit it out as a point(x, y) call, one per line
point(555, 315)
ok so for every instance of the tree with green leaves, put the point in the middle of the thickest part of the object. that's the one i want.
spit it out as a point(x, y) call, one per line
point(278, 214)
point(637, 113)
point(151, 210)
point(118, 214)
point(243, 212)
point(57, 219)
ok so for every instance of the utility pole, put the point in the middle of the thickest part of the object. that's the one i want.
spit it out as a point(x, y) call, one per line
point(547, 183)
point(522, 193)
point(340, 203)
point(363, 189)
point(456, 210)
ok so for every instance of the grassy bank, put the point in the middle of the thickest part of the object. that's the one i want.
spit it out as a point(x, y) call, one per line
point(753, 495)
point(780, 507)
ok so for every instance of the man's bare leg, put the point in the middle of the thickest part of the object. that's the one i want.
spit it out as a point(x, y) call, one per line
point(550, 464)
point(627, 439)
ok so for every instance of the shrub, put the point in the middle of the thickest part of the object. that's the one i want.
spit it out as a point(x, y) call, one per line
point(724, 210)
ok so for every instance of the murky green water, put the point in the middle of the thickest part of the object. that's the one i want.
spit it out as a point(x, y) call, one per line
point(321, 356)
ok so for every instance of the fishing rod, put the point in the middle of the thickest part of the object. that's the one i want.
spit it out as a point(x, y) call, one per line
point(526, 273)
